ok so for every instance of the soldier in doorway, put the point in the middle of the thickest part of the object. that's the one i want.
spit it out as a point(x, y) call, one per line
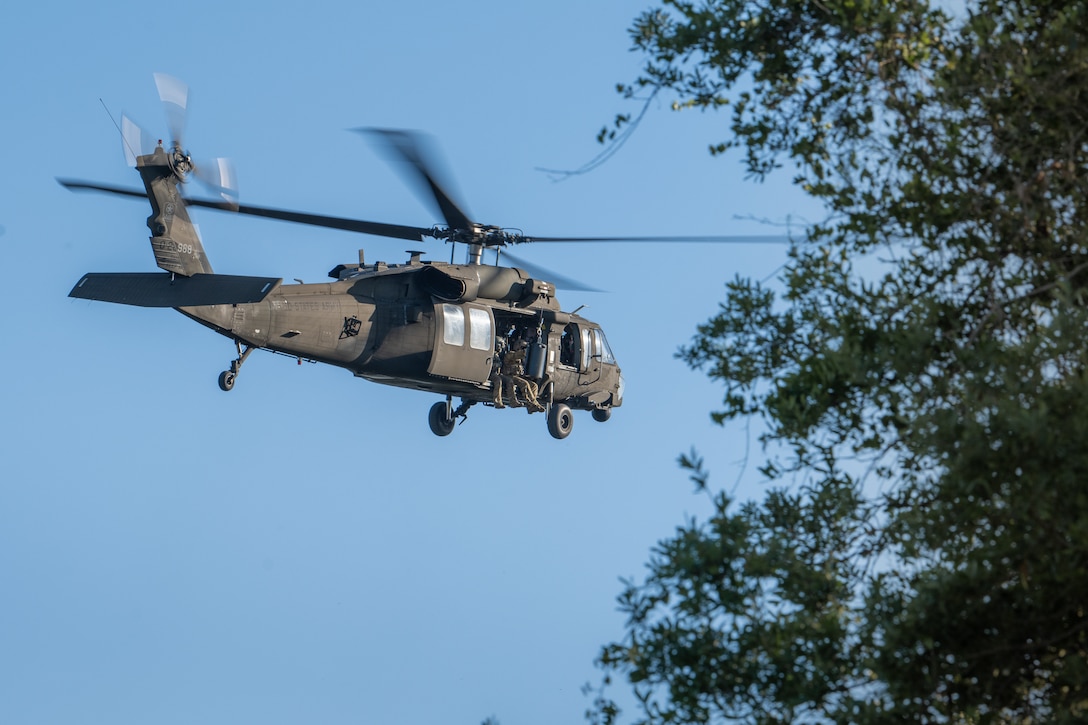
point(514, 380)
point(501, 350)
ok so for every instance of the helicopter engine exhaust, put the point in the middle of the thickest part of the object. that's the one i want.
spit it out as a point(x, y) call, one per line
point(465, 283)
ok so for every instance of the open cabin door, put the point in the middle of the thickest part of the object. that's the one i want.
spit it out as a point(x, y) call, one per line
point(464, 342)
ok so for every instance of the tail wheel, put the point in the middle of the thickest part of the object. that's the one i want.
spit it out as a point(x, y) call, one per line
point(440, 419)
point(560, 420)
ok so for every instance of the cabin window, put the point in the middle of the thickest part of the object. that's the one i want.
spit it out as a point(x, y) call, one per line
point(479, 329)
point(587, 348)
point(601, 348)
point(453, 325)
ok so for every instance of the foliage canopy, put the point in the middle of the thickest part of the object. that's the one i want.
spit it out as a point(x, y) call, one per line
point(920, 371)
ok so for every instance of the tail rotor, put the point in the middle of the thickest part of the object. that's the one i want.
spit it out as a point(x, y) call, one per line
point(217, 174)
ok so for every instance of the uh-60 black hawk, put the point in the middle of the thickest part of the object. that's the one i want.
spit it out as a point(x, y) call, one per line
point(479, 332)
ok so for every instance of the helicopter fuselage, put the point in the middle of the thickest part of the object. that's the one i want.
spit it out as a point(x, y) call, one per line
point(430, 326)
point(483, 333)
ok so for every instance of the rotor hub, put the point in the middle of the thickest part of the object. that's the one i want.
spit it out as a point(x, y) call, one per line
point(181, 162)
point(478, 235)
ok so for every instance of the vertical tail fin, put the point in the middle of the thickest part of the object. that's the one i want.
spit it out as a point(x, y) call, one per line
point(174, 239)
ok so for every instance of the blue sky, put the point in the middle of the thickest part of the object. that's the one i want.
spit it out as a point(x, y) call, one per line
point(303, 549)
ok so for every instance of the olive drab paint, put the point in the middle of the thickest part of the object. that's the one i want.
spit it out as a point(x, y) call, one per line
point(431, 326)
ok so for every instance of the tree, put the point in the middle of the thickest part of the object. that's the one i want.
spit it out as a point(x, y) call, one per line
point(920, 370)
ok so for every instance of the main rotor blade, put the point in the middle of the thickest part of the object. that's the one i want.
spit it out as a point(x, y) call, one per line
point(73, 185)
point(409, 148)
point(396, 231)
point(174, 95)
point(724, 239)
point(538, 272)
point(415, 234)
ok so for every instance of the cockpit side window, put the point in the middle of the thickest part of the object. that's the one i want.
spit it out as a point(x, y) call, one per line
point(601, 347)
point(581, 345)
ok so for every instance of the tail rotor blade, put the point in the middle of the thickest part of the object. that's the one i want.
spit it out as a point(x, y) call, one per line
point(174, 95)
point(135, 140)
point(218, 175)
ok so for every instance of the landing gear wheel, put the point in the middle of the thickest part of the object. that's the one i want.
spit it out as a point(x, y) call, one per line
point(560, 420)
point(602, 414)
point(440, 419)
point(227, 377)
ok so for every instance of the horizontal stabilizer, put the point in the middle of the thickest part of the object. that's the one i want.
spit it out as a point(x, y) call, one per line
point(156, 289)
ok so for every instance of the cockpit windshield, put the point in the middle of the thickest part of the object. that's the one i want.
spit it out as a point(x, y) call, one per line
point(601, 347)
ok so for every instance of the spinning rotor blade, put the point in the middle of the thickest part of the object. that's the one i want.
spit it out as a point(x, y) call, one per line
point(218, 175)
point(538, 272)
point(136, 141)
point(408, 148)
point(73, 185)
point(174, 95)
point(725, 239)
point(396, 231)
point(415, 234)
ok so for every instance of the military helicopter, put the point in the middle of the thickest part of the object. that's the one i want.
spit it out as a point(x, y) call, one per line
point(437, 327)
